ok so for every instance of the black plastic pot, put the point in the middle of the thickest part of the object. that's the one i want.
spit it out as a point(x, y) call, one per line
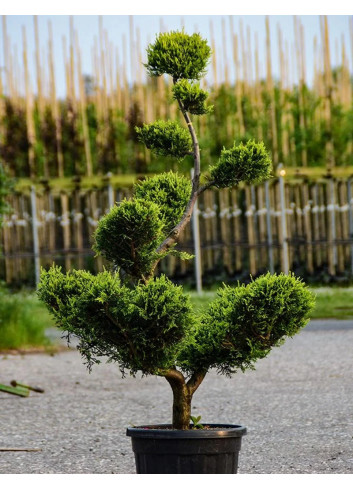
point(162, 450)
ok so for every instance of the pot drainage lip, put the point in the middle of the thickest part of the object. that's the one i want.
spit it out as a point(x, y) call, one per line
point(165, 431)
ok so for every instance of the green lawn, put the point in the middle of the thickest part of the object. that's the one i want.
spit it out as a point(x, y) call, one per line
point(23, 321)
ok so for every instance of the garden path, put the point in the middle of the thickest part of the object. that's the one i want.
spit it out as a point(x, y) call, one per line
point(297, 407)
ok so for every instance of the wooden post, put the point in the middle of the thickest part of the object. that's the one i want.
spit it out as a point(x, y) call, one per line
point(315, 212)
point(66, 225)
point(350, 219)
point(40, 98)
point(251, 235)
point(332, 249)
point(236, 212)
point(197, 246)
point(29, 109)
point(270, 87)
point(269, 228)
point(261, 216)
point(224, 228)
point(308, 233)
point(85, 128)
point(35, 235)
point(55, 106)
point(285, 261)
point(77, 221)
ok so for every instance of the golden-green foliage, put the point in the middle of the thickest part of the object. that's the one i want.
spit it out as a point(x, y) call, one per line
point(179, 55)
point(141, 328)
point(248, 163)
point(170, 191)
point(192, 97)
point(165, 138)
point(129, 235)
point(243, 323)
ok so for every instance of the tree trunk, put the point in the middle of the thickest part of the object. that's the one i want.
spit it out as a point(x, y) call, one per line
point(181, 408)
point(182, 396)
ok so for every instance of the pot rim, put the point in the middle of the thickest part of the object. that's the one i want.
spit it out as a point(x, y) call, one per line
point(166, 431)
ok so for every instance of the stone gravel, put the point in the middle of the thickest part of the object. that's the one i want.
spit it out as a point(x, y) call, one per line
point(297, 407)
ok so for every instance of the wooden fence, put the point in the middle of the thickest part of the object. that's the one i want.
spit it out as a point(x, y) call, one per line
point(304, 226)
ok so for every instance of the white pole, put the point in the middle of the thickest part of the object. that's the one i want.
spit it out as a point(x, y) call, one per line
point(332, 207)
point(197, 247)
point(110, 191)
point(35, 235)
point(350, 218)
point(285, 260)
point(269, 228)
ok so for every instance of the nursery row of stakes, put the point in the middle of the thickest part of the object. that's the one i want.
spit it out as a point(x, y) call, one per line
point(299, 225)
point(90, 131)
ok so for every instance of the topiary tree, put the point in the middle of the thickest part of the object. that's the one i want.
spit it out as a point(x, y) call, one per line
point(146, 323)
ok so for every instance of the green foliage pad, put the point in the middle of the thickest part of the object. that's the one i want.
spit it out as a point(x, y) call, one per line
point(170, 191)
point(178, 54)
point(192, 97)
point(243, 323)
point(129, 235)
point(141, 328)
point(166, 138)
point(248, 162)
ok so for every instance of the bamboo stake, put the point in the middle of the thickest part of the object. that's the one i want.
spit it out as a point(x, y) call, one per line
point(226, 80)
point(72, 65)
point(258, 90)
point(2, 98)
point(85, 129)
point(29, 109)
point(249, 56)
point(270, 87)
point(118, 82)
point(284, 134)
point(214, 57)
point(66, 66)
point(328, 94)
point(251, 234)
point(238, 87)
point(6, 53)
point(299, 46)
point(108, 47)
point(99, 102)
point(103, 70)
point(55, 106)
point(38, 67)
point(243, 58)
point(15, 76)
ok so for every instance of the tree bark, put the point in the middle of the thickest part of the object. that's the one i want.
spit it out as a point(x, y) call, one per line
point(182, 396)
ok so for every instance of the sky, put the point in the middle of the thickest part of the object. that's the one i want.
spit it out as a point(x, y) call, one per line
point(117, 27)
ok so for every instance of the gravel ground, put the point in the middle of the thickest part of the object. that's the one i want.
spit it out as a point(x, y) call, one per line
point(297, 406)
